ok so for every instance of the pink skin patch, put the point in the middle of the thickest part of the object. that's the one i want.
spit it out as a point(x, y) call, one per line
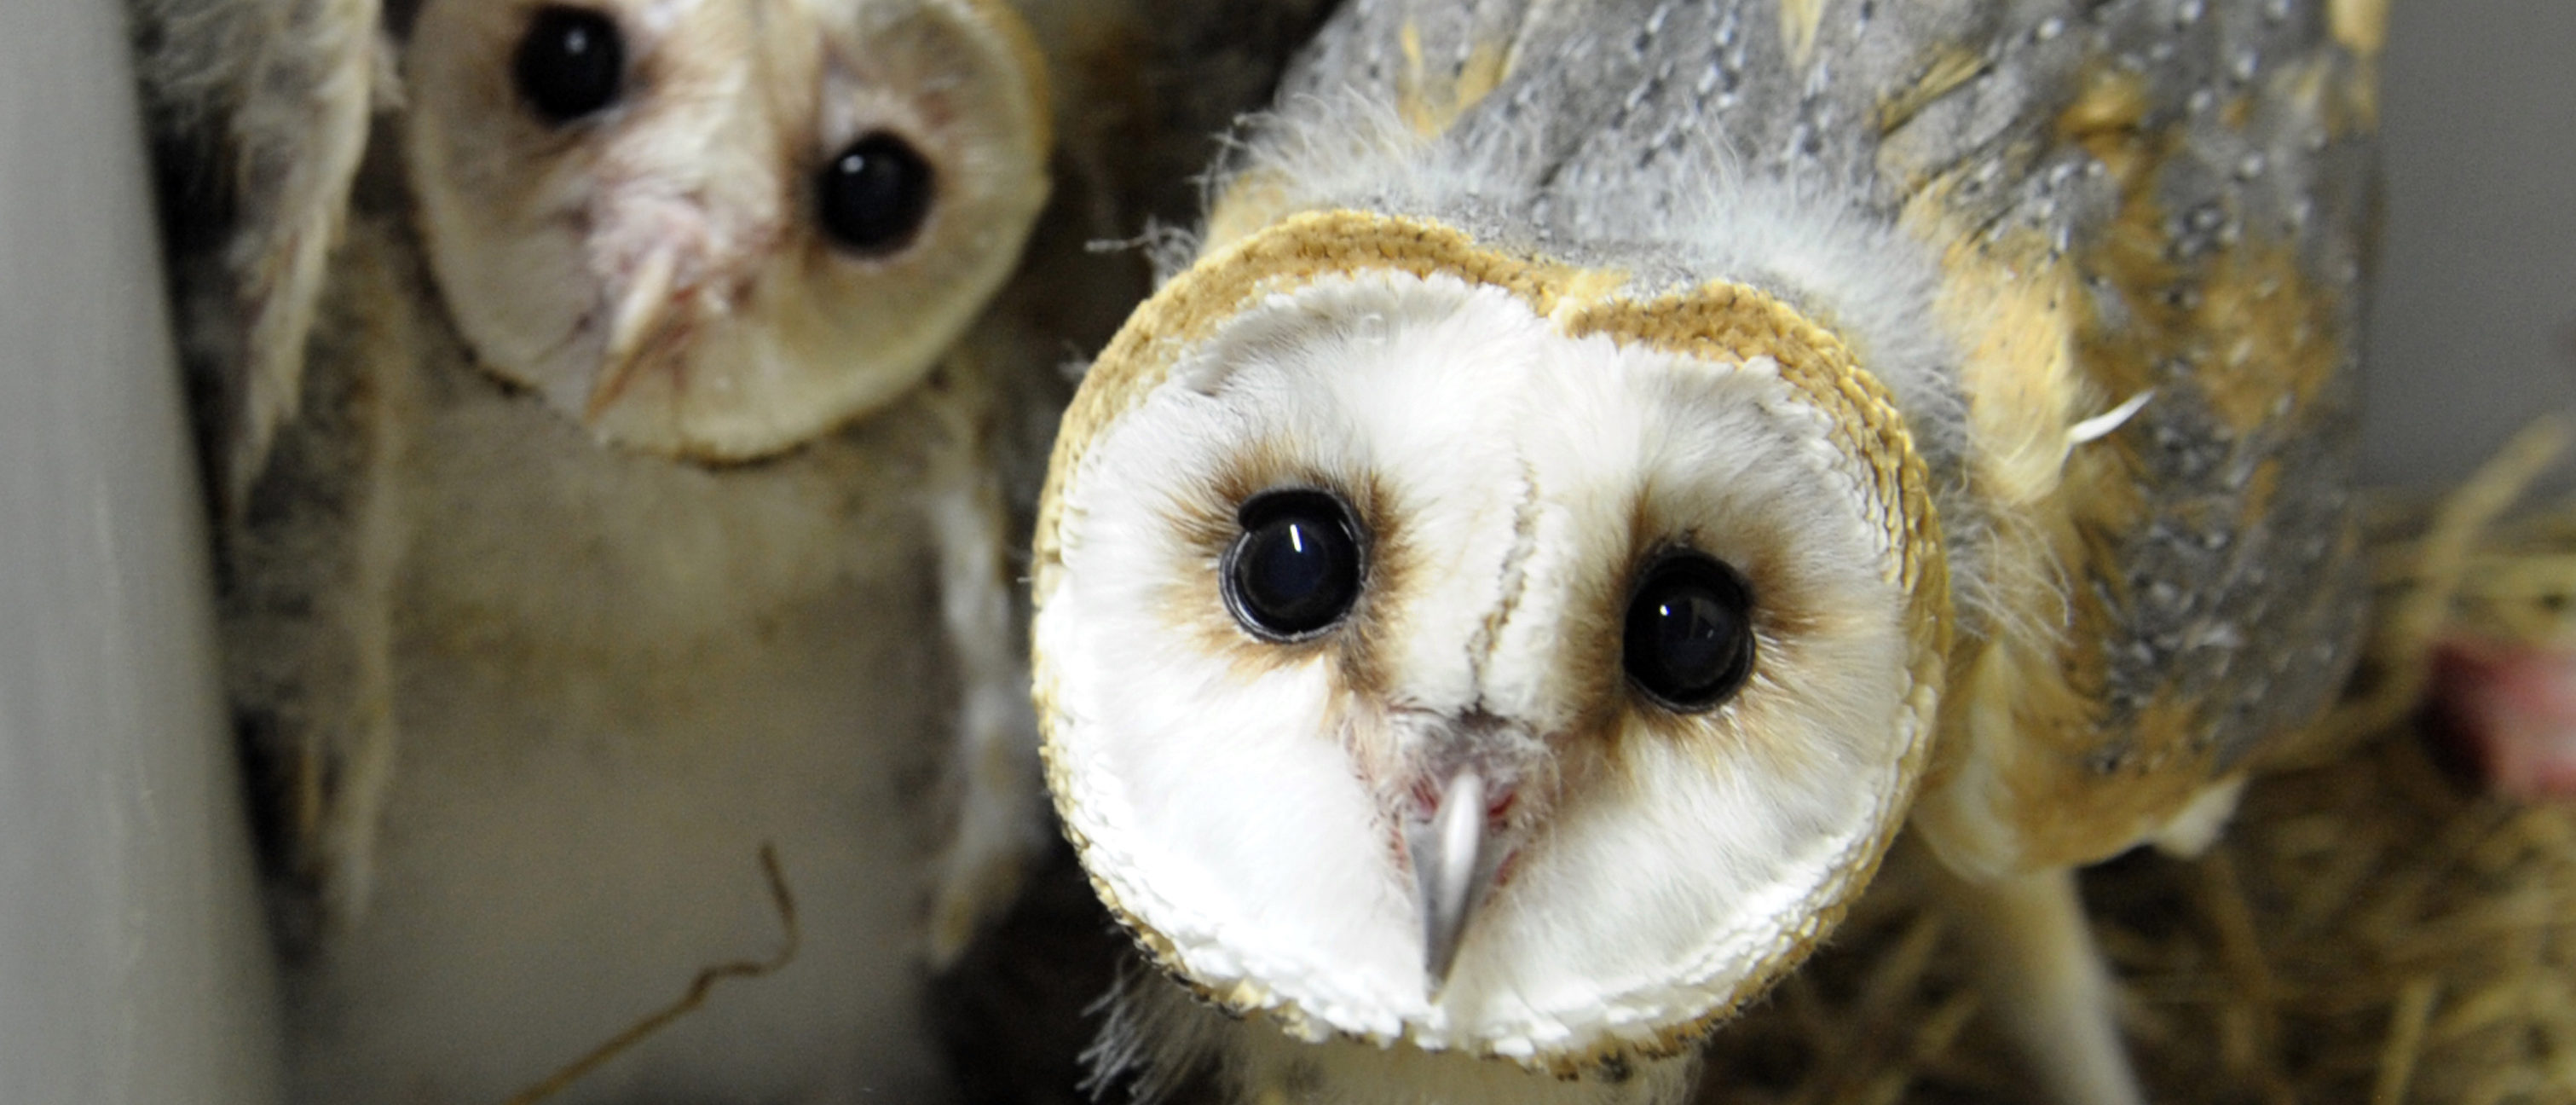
point(2507, 713)
point(1425, 797)
point(1498, 805)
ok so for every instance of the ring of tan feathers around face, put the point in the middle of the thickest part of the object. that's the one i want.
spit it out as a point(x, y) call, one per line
point(1144, 865)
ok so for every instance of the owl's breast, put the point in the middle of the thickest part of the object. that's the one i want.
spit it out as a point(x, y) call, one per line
point(614, 680)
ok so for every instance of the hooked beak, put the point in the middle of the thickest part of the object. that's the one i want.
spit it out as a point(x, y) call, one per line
point(1454, 861)
point(639, 314)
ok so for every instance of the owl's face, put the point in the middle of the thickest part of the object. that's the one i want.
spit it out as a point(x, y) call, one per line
point(719, 227)
point(1426, 654)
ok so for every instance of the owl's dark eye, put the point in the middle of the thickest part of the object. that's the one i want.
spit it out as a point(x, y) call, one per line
point(570, 63)
point(875, 194)
point(1689, 637)
point(1295, 570)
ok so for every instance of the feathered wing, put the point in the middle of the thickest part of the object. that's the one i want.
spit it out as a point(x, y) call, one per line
point(999, 828)
point(308, 600)
point(261, 111)
point(2154, 273)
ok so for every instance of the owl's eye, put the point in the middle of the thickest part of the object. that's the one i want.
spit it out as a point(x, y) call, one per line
point(1689, 637)
point(1295, 570)
point(569, 64)
point(874, 196)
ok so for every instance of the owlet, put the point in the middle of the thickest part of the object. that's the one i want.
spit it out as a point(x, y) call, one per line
point(1607, 469)
point(613, 504)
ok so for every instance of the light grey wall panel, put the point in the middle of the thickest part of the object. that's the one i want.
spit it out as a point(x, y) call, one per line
point(132, 969)
point(2474, 330)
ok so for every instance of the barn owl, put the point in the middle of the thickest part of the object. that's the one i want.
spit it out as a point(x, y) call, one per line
point(611, 507)
point(1607, 469)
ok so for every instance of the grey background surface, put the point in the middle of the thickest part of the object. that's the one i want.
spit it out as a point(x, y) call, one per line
point(131, 969)
point(2473, 330)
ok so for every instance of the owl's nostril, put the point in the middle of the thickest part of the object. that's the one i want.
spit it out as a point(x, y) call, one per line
point(1426, 797)
point(1427, 801)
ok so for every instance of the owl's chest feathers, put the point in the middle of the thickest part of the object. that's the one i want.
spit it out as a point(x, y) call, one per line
point(614, 679)
point(522, 530)
point(558, 590)
point(1170, 1030)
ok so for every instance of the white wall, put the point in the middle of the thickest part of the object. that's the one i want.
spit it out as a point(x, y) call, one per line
point(132, 970)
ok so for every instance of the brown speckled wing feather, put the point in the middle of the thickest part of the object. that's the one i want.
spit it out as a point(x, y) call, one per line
point(2190, 183)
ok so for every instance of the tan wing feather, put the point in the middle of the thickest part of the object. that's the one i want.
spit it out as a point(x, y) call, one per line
point(274, 97)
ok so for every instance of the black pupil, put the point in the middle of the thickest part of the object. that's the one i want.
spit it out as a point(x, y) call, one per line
point(1296, 568)
point(570, 63)
point(875, 194)
point(1689, 640)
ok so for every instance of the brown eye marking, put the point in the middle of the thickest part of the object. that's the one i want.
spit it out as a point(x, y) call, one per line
point(1209, 523)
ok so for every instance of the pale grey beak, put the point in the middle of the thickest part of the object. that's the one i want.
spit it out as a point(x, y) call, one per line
point(640, 312)
point(1453, 866)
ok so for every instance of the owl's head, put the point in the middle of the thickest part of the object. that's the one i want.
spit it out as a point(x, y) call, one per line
point(719, 227)
point(1435, 645)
